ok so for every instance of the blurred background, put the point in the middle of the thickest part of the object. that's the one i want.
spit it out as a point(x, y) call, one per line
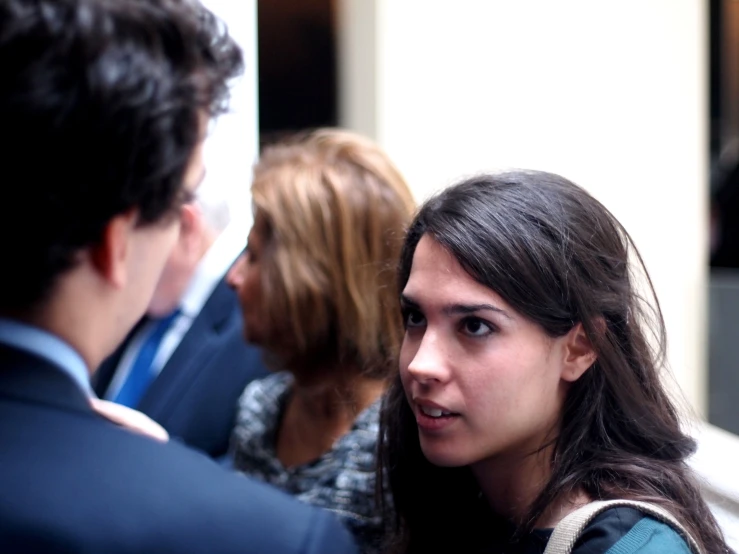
point(636, 100)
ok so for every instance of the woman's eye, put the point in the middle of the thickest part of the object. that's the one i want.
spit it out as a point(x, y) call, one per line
point(414, 318)
point(476, 327)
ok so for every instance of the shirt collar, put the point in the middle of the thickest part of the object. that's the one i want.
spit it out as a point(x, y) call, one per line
point(47, 346)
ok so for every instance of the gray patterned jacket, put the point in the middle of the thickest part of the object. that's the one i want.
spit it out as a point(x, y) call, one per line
point(342, 480)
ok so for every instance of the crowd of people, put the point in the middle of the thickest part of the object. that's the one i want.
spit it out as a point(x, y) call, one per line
point(360, 374)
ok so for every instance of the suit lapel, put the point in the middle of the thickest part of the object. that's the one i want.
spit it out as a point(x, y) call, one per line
point(101, 379)
point(190, 356)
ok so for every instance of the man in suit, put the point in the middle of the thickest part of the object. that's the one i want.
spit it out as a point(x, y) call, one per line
point(197, 372)
point(105, 104)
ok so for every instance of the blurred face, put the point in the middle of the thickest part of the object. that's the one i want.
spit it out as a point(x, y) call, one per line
point(484, 382)
point(180, 267)
point(170, 287)
point(155, 243)
point(245, 278)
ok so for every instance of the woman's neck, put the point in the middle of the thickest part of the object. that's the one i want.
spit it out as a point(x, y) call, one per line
point(512, 485)
point(319, 412)
point(333, 398)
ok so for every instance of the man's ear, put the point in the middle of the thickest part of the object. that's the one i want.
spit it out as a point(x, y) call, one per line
point(110, 255)
point(579, 354)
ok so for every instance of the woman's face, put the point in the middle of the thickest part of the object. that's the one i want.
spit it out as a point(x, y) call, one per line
point(246, 279)
point(485, 383)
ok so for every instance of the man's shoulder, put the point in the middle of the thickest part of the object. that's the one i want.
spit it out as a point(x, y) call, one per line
point(227, 510)
point(103, 486)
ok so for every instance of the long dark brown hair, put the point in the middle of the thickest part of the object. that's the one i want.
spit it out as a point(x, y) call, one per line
point(558, 257)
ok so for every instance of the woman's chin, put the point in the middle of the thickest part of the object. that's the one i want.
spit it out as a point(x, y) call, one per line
point(443, 455)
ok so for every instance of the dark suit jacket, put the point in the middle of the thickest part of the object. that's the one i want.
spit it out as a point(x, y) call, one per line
point(195, 396)
point(73, 482)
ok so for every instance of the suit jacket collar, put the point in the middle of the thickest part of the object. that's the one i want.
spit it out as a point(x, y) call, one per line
point(26, 377)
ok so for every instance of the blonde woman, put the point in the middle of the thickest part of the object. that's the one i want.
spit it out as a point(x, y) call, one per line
point(317, 288)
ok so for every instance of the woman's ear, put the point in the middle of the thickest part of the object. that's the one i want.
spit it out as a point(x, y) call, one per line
point(579, 354)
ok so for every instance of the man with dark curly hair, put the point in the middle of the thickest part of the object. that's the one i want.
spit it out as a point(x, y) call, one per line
point(104, 105)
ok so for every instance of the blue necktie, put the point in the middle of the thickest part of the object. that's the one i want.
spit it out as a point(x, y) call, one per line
point(140, 376)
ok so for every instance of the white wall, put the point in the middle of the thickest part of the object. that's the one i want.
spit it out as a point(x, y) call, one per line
point(232, 147)
point(612, 95)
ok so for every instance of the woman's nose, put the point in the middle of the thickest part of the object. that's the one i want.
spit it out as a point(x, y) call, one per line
point(235, 275)
point(429, 361)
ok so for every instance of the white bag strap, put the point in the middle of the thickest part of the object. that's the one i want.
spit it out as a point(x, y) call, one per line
point(568, 530)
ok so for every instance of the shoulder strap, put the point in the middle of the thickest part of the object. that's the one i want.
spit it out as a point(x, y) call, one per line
point(568, 530)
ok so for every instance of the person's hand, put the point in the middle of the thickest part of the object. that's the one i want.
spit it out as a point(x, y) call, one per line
point(130, 419)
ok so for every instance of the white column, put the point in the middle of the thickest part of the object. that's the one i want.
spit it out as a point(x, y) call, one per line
point(233, 144)
point(612, 95)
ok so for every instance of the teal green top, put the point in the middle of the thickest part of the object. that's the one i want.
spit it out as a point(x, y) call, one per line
point(650, 536)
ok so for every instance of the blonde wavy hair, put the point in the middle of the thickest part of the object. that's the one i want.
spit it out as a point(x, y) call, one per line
point(332, 210)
